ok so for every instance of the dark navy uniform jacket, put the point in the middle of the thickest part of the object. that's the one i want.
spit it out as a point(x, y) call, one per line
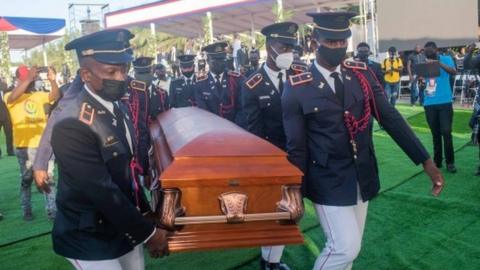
point(159, 101)
point(318, 141)
point(181, 93)
point(261, 101)
point(227, 103)
point(136, 100)
point(97, 216)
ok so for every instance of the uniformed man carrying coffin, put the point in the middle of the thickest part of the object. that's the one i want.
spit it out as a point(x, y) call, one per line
point(327, 114)
point(262, 105)
point(100, 222)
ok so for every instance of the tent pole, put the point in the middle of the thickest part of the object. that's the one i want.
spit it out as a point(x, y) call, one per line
point(252, 29)
point(45, 60)
point(373, 11)
point(210, 27)
point(152, 33)
point(280, 11)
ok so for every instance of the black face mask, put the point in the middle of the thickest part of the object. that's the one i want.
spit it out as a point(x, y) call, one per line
point(431, 54)
point(218, 67)
point(332, 56)
point(144, 77)
point(363, 56)
point(187, 71)
point(188, 74)
point(112, 90)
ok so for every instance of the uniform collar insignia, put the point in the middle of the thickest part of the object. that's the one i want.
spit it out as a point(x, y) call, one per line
point(321, 85)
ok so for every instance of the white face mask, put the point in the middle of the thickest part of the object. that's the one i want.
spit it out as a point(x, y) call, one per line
point(283, 60)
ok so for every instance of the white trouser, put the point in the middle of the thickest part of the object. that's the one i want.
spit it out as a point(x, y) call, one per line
point(272, 254)
point(131, 261)
point(343, 227)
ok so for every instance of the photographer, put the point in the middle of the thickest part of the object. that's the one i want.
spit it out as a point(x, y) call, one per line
point(392, 66)
point(28, 104)
point(438, 106)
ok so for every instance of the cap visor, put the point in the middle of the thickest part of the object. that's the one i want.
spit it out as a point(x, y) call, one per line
point(334, 35)
point(113, 58)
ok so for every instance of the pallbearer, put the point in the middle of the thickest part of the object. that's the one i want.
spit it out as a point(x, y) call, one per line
point(262, 103)
point(327, 114)
point(100, 223)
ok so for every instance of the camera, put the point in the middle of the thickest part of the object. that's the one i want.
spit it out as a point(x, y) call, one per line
point(42, 69)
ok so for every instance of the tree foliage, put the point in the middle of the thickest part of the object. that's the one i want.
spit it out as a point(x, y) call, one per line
point(4, 57)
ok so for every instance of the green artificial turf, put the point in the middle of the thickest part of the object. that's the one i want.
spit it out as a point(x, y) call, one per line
point(406, 227)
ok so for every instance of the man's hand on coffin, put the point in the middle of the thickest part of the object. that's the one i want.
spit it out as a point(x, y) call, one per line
point(157, 245)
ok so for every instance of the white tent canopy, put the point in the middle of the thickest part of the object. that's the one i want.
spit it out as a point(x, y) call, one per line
point(25, 40)
point(184, 18)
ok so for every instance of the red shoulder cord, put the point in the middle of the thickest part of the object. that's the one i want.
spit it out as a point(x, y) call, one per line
point(355, 126)
point(232, 85)
point(162, 95)
point(134, 108)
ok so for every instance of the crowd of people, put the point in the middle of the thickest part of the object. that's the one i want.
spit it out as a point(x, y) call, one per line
point(320, 112)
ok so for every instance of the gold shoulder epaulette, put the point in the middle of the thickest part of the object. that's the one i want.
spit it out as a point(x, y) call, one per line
point(299, 67)
point(254, 80)
point(351, 64)
point(234, 73)
point(300, 78)
point(138, 85)
point(87, 114)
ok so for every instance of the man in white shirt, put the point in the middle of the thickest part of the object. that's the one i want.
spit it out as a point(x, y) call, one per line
point(236, 46)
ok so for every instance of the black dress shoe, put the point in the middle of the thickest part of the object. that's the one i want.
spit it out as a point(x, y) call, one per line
point(451, 168)
point(264, 265)
point(439, 165)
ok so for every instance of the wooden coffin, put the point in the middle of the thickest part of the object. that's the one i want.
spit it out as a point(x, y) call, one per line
point(220, 186)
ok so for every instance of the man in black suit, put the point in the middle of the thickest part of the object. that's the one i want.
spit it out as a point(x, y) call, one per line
point(100, 223)
point(363, 53)
point(327, 116)
point(181, 89)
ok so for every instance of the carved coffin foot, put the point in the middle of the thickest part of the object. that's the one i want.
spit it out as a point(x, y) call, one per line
point(171, 208)
point(291, 202)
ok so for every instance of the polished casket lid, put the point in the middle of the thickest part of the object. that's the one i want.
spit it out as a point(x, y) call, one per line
point(195, 144)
